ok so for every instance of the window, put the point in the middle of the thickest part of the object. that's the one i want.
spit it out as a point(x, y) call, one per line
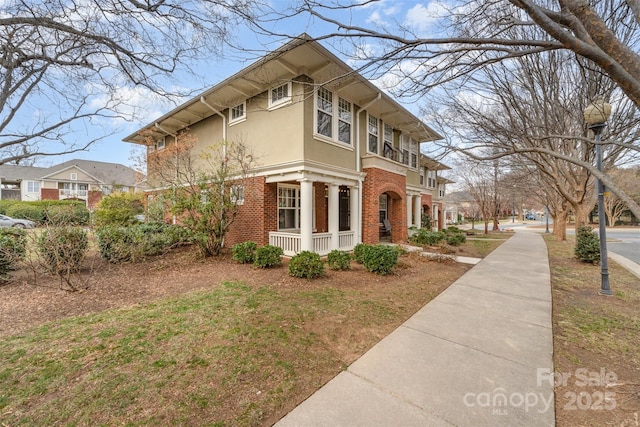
point(288, 208)
point(333, 120)
point(161, 144)
point(238, 113)
point(388, 134)
point(441, 190)
point(237, 194)
point(414, 160)
point(73, 176)
point(344, 121)
point(421, 176)
point(383, 207)
point(413, 146)
point(324, 101)
point(33, 187)
point(431, 179)
point(374, 131)
point(280, 95)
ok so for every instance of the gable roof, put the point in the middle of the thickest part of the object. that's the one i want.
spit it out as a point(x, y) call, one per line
point(14, 173)
point(103, 172)
point(301, 56)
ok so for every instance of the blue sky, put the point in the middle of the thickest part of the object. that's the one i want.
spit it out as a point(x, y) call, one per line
point(420, 17)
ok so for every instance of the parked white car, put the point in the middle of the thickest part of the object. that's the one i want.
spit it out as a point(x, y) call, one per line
point(6, 221)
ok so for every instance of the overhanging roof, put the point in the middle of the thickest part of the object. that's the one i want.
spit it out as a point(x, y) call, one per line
point(301, 56)
point(432, 164)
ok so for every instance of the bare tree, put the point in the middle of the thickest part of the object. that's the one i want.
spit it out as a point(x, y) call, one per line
point(203, 185)
point(629, 181)
point(65, 63)
point(479, 180)
point(475, 34)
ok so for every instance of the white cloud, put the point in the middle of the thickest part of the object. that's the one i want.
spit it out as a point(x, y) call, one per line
point(422, 18)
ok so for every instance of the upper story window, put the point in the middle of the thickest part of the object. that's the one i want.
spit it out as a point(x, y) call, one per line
point(73, 176)
point(441, 190)
point(373, 126)
point(421, 176)
point(431, 179)
point(238, 113)
point(333, 120)
point(324, 104)
point(280, 95)
point(161, 144)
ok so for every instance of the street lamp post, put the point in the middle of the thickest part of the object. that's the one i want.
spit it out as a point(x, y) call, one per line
point(596, 115)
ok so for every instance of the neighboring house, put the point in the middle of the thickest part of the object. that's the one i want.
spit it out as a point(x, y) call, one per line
point(460, 204)
point(85, 180)
point(339, 160)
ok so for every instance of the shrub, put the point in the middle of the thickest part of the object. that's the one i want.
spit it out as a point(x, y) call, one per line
point(455, 238)
point(587, 245)
point(268, 256)
point(358, 252)
point(339, 260)
point(424, 236)
point(63, 249)
point(119, 209)
point(380, 259)
point(306, 264)
point(27, 210)
point(134, 243)
point(12, 248)
point(245, 252)
point(67, 214)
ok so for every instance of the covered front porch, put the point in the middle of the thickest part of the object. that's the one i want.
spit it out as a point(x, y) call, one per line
point(316, 212)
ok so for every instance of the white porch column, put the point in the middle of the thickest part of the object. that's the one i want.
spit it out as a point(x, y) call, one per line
point(417, 210)
point(409, 211)
point(334, 210)
point(354, 211)
point(306, 215)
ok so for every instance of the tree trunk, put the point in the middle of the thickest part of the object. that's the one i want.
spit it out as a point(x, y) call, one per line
point(560, 224)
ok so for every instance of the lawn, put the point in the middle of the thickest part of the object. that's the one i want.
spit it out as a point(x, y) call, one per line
point(596, 342)
point(243, 350)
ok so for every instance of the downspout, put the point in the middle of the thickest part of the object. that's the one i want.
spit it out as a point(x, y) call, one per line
point(224, 125)
point(224, 141)
point(174, 220)
point(359, 163)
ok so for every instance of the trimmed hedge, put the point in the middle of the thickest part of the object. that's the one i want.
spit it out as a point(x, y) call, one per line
point(245, 252)
point(306, 264)
point(12, 249)
point(134, 243)
point(119, 209)
point(339, 260)
point(268, 256)
point(424, 236)
point(358, 252)
point(56, 212)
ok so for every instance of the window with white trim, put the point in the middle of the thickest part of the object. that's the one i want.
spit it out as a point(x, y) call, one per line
point(288, 207)
point(280, 95)
point(324, 116)
point(33, 187)
point(383, 211)
point(414, 152)
point(421, 176)
point(404, 148)
point(73, 176)
point(237, 194)
point(238, 113)
point(161, 144)
point(333, 120)
point(373, 127)
point(431, 179)
point(441, 191)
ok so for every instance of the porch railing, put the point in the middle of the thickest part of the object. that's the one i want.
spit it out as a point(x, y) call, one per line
point(67, 194)
point(290, 242)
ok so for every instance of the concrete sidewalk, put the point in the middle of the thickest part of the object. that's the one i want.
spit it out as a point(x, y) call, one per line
point(479, 354)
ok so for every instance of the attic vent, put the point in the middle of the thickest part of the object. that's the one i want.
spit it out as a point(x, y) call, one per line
point(74, 176)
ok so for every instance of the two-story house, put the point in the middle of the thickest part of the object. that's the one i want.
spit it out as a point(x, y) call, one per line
point(77, 179)
point(339, 160)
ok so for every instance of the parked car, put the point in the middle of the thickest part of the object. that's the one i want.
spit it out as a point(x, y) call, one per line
point(530, 216)
point(6, 221)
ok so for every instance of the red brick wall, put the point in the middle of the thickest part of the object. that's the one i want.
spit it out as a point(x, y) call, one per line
point(249, 223)
point(94, 198)
point(379, 181)
point(49, 194)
